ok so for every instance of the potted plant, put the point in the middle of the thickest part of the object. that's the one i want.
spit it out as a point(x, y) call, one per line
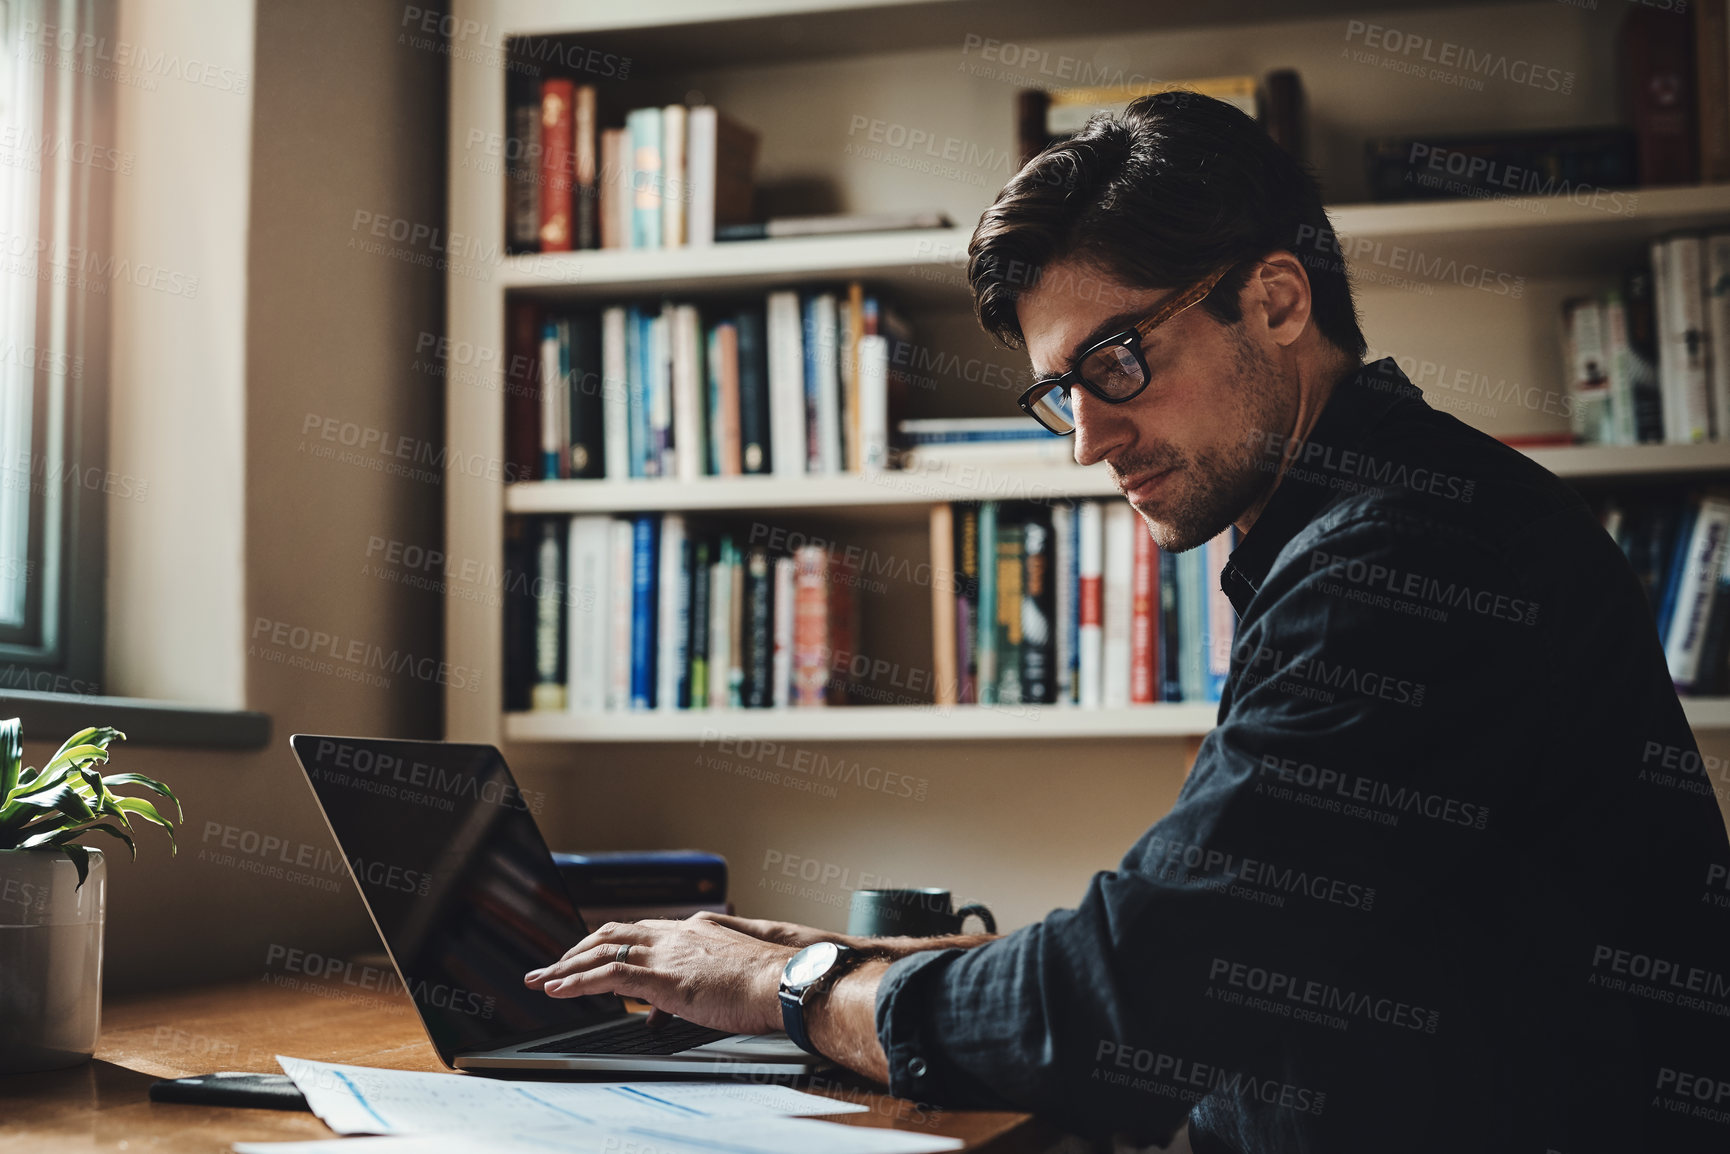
point(53, 892)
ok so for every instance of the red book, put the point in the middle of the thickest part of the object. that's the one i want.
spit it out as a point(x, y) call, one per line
point(557, 164)
point(1144, 606)
point(522, 390)
point(1658, 82)
point(811, 649)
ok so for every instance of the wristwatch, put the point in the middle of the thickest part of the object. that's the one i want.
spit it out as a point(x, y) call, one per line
point(808, 972)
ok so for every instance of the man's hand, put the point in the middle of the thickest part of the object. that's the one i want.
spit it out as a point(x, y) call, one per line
point(788, 934)
point(703, 971)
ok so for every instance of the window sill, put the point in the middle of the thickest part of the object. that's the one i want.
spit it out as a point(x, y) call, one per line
point(56, 716)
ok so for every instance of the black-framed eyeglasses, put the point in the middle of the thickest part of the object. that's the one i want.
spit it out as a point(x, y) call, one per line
point(1114, 369)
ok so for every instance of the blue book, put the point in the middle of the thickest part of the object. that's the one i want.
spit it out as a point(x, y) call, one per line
point(1033, 432)
point(647, 179)
point(813, 385)
point(645, 607)
point(637, 390)
point(1168, 645)
point(1678, 562)
point(554, 373)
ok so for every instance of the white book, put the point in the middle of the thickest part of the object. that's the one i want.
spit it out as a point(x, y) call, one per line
point(553, 417)
point(1588, 367)
point(615, 396)
point(689, 437)
point(673, 192)
point(588, 606)
point(1118, 596)
point(1089, 642)
point(874, 403)
point(620, 593)
point(1062, 559)
point(720, 632)
point(782, 669)
point(786, 385)
point(1682, 352)
point(1697, 583)
point(1629, 371)
point(826, 353)
point(661, 392)
point(672, 620)
point(1717, 287)
point(700, 135)
point(1049, 452)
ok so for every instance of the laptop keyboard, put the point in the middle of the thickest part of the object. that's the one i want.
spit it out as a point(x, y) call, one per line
point(633, 1037)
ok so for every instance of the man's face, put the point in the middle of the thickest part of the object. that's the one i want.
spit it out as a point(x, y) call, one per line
point(1186, 452)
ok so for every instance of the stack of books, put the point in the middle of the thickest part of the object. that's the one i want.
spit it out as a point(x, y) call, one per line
point(629, 885)
point(801, 383)
point(1073, 604)
point(1649, 360)
point(645, 612)
point(983, 441)
point(1678, 545)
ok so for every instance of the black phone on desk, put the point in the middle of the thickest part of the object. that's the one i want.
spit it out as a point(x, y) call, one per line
point(231, 1088)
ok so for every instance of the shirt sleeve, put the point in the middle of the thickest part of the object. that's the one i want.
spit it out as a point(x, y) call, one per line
point(1287, 944)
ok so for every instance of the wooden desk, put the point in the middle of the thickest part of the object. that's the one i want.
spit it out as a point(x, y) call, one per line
point(102, 1105)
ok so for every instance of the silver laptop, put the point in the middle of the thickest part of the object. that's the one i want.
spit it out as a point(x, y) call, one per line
point(462, 889)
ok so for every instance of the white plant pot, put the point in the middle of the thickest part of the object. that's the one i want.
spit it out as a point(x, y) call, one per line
point(50, 959)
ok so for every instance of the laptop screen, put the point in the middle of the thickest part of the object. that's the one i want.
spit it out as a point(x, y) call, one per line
point(452, 867)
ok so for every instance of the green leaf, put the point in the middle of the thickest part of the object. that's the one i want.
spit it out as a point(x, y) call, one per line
point(98, 736)
point(11, 754)
point(80, 861)
point(76, 755)
point(150, 783)
point(63, 798)
point(148, 812)
point(62, 836)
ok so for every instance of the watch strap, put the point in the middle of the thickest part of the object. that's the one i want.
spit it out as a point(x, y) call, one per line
point(793, 1021)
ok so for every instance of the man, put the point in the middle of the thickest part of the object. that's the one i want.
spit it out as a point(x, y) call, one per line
point(1439, 878)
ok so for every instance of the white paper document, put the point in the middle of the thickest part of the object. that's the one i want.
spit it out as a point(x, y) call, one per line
point(432, 1113)
point(702, 1136)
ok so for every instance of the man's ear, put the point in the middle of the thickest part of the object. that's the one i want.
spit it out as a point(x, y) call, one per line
point(1284, 287)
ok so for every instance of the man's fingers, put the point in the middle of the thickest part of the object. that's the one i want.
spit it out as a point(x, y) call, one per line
point(611, 978)
point(610, 936)
point(588, 961)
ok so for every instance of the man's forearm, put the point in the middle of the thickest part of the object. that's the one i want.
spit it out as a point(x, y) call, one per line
point(896, 948)
point(843, 1021)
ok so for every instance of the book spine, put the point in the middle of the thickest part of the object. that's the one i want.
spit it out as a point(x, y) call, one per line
point(1192, 624)
point(621, 613)
point(1065, 556)
point(1586, 356)
point(614, 188)
point(944, 588)
point(1038, 609)
point(644, 609)
point(721, 626)
point(985, 620)
point(615, 395)
point(729, 457)
point(758, 629)
point(520, 544)
point(549, 691)
point(673, 176)
point(524, 175)
point(873, 403)
point(1686, 333)
point(1658, 70)
point(587, 455)
point(700, 175)
point(784, 670)
point(644, 125)
point(585, 195)
point(1168, 641)
point(1698, 565)
point(637, 393)
point(1011, 555)
point(811, 648)
point(1643, 344)
point(786, 385)
point(1117, 617)
point(815, 441)
point(673, 621)
point(702, 570)
point(523, 391)
point(557, 136)
point(739, 637)
point(1142, 611)
point(660, 463)
point(754, 434)
point(824, 360)
point(843, 627)
point(966, 560)
point(690, 439)
point(586, 606)
point(1221, 618)
point(1717, 289)
point(1090, 604)
point(553, 389)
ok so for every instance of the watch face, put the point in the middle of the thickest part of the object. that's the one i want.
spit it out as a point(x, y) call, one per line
point(809, 964)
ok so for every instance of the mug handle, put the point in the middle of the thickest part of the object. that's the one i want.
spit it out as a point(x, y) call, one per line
point(978, 911)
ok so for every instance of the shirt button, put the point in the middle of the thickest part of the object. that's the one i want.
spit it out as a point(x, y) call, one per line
point(916, 1067)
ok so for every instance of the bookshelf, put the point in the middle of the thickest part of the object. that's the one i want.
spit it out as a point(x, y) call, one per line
point(1557, 243)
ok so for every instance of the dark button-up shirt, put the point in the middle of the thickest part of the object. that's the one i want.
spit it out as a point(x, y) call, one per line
point(1448, 874)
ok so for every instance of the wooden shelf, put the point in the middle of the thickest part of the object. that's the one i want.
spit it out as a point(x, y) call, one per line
point(915, 723)
point(1632, 460)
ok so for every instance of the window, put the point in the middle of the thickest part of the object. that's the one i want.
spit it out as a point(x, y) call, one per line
point(56, 130)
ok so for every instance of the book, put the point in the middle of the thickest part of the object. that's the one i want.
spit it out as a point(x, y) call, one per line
point(1143, 618)
point(1586, 358)
point(615, 395)
point(690, 438)
point(1011, 553)
point(585, 193)
point(557, 170)
point(589, 601)
point(673, 189)
point(787, 409)
point(873, 403)
point(1219, 619)
point(637, 353)
point(1117, 604)
point(1044, 116)
point(810, 614)
point(852, 333)
point(985, 619)
point(1683, 370)
point(644, 126)
point(587, 422)
point(840, 224)
point(1583, 163)
point(1712, 84)
point(721, 632)
point(645, 608)
point(522, 383)
point(1657, 70)
point(519, 609)
point(1166, 640)
point(1090, 605)
point(614, 189)
point(965, 558)
point(1038, 608)
point(944, 594)
point(549, 686)
point(643, 877)
point(962, 430)
point(754, 426)
point(1064, 579)
point(672, 637)
point(724, 429)
point(555, 397)
point(822, 383)
point(1693, 584)
point(1639, 303)
point(621, 612)
point(523, 170)
point(721, 158)
point(702, 571)
point(1716, 287)
point(1047, 453)
point(792, 635)
point(756, 631)
point(1192, 624)
point(660, 374)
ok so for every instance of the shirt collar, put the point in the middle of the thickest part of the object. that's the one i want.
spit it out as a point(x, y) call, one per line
point(1353, 409)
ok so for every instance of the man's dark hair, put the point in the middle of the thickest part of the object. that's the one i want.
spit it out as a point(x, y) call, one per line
point(1175, 188)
